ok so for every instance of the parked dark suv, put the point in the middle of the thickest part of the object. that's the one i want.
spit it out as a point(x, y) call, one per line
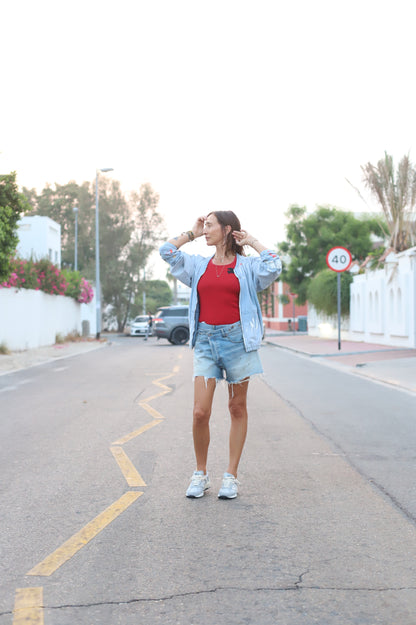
point(171, 322)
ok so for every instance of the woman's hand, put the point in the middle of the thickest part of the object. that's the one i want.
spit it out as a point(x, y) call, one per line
point(198, 227)
point(242, 237)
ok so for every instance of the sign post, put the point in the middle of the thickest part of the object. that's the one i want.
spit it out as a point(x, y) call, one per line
point(339, 259)
point(293, 320)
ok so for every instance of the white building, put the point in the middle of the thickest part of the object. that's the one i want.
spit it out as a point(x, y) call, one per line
point(383, 302)
point(382, 306)
point(39, 237)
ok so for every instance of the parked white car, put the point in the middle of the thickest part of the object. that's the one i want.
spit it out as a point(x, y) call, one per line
point(140, 326)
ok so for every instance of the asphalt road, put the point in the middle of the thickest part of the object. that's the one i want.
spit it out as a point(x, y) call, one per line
point(372, 425)
point(96, 530)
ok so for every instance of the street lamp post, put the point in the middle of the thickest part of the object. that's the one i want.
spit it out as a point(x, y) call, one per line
point(76, 238)
point(97, 255)
point(144, 290)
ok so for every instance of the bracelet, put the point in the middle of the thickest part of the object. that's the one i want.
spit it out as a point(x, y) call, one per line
point(190, 235)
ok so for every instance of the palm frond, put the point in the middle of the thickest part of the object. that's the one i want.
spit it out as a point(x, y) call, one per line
point(396, 194)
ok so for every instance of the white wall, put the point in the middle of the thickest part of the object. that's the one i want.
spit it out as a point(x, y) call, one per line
point(39, 237)
point(383, 302)
point(30, 319)
point(326, 327)
point(89, 313)
point(382, 306)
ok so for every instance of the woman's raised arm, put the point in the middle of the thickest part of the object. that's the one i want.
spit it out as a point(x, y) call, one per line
point(189, 235)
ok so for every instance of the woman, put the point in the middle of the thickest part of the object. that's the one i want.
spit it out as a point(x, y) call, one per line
point(226, 329)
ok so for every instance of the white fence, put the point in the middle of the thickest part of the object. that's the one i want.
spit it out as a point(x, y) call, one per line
point(326, 327)
point(383, 303)
point(30, 319)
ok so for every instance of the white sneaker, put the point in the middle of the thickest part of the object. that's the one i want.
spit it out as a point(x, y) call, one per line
point(199, 484)
point(229, 488)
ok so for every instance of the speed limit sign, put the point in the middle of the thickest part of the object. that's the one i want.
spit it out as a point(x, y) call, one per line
point(338, 259)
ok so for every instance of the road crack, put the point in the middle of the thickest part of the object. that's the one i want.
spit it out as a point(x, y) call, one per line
point(296, 586)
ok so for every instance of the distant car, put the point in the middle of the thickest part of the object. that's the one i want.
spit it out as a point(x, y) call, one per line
point(171, 322)
point(140, 326)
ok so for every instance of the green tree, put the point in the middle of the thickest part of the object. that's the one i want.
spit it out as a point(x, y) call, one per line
point(12, 205)
point(130, 229)
point(57, 202)
point(158, 293)
point(396, 194)
point(322, 292)
point(310, 237)
point(141, 228)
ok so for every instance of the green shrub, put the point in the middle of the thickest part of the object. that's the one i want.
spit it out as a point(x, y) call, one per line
point(322, 292)
point(4, 350)
point(73, 280)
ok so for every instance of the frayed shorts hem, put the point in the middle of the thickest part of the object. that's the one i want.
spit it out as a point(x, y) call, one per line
point(247, 378)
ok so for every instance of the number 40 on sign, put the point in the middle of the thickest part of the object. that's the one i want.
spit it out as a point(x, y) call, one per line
point(338, 259)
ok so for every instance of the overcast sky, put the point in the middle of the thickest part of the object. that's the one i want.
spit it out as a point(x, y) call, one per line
point(242, 105)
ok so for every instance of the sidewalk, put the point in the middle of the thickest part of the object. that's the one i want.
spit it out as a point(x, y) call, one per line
point(390, 365)
point(33, 357)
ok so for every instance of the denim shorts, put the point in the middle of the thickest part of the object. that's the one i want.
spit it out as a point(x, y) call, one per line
point(220, 353)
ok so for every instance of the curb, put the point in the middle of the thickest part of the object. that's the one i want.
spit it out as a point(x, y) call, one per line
point(55, 359)
point(359, 371)
point(334, 354)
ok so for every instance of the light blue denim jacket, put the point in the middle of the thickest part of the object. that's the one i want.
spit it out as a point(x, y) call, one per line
point(253, 273)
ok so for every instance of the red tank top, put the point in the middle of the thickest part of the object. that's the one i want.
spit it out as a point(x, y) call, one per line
point(219, 293)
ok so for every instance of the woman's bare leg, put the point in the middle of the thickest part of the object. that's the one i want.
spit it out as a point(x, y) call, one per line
point(203, 396)
point(237, 405)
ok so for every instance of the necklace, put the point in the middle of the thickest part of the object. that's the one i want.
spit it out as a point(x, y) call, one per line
point(216, 270)
point(219, 274)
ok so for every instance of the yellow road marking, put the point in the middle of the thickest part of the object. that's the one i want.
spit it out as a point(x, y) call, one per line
point(144, 428)
point(152, 397)
point(152, 375)
point(56, 559)
point(157, 382)
point(165, 389)
point(158, 417)
point(28, 606)
point(152, 411)
point(133, 477)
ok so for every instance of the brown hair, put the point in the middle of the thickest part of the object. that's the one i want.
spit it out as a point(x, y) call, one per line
point(228, 218)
